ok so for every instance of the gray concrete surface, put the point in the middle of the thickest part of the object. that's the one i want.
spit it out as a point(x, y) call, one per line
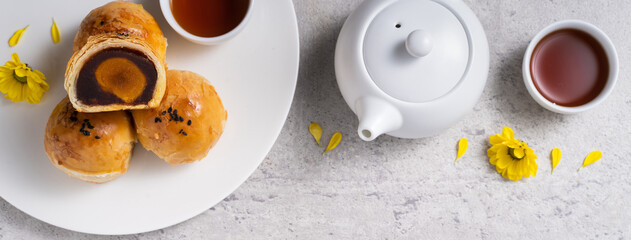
point(409, 189)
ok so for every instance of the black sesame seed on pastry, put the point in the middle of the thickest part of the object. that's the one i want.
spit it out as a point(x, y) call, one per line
point(188, 122)
point(93, 147)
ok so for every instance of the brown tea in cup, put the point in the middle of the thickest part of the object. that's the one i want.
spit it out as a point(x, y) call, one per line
point(569, 67)
point(209, 18)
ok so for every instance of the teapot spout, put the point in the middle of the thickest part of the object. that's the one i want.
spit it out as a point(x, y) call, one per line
point(376, 117)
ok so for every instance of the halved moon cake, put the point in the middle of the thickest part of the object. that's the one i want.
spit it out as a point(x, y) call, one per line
point(118, 60)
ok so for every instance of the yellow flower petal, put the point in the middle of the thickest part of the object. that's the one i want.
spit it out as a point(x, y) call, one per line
point(533, 168)
point(505, 172)
point(524, 168)
point(496, 139)
point(15, 92)
point(518, 152)
point(501, 171)
point(492, 151)
point(5, 73)
point(512, 143)
point(22, 93)
point(31, 83)
point(35, 82)
point(504, 161)
point(591, 158)
point(39, 75)
point(15, 58)
point(508, 133)
point(20, 72)
point(335, 140)
point(316, 131)
point(463, 144)
point(493, 160)
point(5, 86)
point(519, 168)
point(555, 155)
point(34, 97)
point(26, 92)
point(16, 37)
point(54, 32)
point(514, 171)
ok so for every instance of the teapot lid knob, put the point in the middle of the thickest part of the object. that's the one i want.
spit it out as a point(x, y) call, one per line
point(419, 43)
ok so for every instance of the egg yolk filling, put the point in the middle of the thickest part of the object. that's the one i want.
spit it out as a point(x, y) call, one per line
point(117, 76)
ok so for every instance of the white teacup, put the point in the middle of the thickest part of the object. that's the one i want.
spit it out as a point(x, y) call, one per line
point(602, 39)
point(165, 5)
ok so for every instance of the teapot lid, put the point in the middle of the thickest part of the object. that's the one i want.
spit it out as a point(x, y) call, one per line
point(416, 51)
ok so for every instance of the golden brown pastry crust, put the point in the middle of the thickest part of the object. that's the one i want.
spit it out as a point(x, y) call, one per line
point(178, 142)
point(99, 157)
point(118, 24)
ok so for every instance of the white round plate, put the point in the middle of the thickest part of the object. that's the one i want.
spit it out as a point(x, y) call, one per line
point(255, 75)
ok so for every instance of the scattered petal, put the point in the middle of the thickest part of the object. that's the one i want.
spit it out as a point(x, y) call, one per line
point(54, 31)
point(335, 140)
point(591, 158)
point(555, 155)
point(463, 144)
point(16, 37)
point(316, 131)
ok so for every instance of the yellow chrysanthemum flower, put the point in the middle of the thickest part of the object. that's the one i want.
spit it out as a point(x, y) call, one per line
point(511, 158)
point(19, 81)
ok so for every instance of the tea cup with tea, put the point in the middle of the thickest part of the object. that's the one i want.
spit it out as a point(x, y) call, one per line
point(570, 66)
point(207, 22)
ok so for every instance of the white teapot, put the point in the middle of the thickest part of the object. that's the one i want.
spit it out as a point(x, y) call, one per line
point(411, 68)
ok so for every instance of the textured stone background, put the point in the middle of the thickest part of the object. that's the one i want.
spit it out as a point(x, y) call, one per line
point(409, 189)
